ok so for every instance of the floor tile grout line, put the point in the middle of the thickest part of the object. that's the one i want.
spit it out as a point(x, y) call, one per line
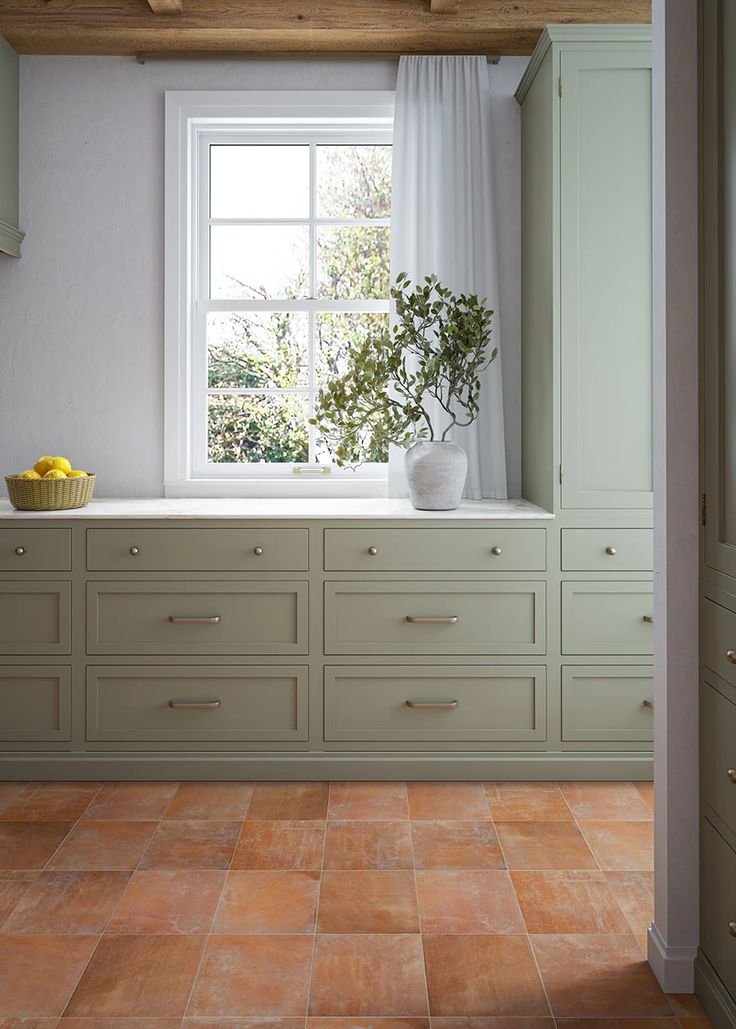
point(419, 913)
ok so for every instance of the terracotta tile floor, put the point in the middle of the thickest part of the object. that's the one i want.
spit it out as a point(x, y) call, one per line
point(317, 906)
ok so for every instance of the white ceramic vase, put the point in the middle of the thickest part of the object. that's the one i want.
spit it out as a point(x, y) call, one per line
point(436, 474)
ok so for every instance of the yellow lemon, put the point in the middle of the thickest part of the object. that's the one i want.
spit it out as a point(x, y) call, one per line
point(29, 474)
point(60, 464)
point(76, 473)
point(55, 473)
point(43, 464)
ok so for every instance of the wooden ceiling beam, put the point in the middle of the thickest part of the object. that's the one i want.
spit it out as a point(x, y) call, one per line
point(166, 6)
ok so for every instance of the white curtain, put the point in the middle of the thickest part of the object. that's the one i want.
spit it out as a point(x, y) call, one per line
point(442, 223)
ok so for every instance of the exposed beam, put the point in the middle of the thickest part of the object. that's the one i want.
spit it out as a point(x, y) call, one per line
point(444, 6)
point(166, 6)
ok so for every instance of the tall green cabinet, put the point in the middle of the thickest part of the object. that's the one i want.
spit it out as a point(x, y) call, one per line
point(10, 235)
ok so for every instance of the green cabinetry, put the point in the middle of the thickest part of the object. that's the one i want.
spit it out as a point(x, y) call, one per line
point(10, 235)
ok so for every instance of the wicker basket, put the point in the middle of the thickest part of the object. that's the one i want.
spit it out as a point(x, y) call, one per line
point(50, 494)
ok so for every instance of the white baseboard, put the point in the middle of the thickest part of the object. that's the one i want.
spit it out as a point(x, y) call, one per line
point(674, 967)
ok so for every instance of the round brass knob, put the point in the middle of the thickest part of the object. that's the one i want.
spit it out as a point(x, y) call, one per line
point(373, 551)
point(20, 551)
point(611, 551)
point(731, 773)
point(496, 551)
point(258, 551)
point(134, 551)
point(731, 656)
point(732, 928)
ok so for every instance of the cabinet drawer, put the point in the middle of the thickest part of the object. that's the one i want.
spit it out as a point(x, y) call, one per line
point(606, 618)
point(35, 550)
point(162, 702)
point(35, 703)
point(448, 703)
point(718, 904)
point(718, 754)
point(434, 617)
point(435, 550)
point(607, 702)
point(34, 617)
point(197, 550)
point(197, 617)
point(719, 640)
point(607, 550)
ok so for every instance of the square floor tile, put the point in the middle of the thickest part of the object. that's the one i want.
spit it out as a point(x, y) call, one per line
point(284, 845)
point(11, 890)
point(210, 800)
point(490, 1022)
point(545, 845)
point(253, 975)
point(254, 1022)
point(464, 901)
point(456, 845)
point(268, 902)
point(368, 975)
point(527, 801)
point(646, 790)
point(112, 1023)
point(38, 973)
point(9, 791)
point(598, 976)
point(368, 800)
point(134, 976)
point(445, 801)
point(568, 902)
point(634, 894)
point(482, 975)
point(368, 902)
point(51, 802)
point(103, 846)
point(621, 846)
point(368, 845)
point(620, 1023)
point(367, 1022)
point(125, 801)
point(30, 844)
point(192, 845)
point(162, 902)
point(289, 801)
point(606, 801)
point(68, 902)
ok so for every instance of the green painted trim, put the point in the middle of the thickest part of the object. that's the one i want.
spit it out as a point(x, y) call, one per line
point(10, 239)
point(717, 1002)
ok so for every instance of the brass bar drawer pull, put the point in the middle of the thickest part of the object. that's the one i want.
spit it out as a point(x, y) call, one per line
point(432, 619)
point(194, 619)
point(647, 703)
point(731, 773)
point(198, 705)
point(731, 656)
point(649, 619)
point(432, 705)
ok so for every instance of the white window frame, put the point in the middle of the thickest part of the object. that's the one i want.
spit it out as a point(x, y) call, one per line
point(195, 120)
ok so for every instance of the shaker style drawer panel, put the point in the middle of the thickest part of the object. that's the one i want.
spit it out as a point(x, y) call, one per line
point(718, 754)
point(35, 703)
point(606, 618)
point(35, 550)
point(460, 703)
point(607, 702)
point(197, 617)
point(434, 618)
point(607, 550)
point(719, 640)
point(718, 904)
point(435, 550)
point(164, 702)
point(34, 617)
point(197, 550)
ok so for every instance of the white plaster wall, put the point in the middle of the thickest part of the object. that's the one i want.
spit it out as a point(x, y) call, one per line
point(81, 313)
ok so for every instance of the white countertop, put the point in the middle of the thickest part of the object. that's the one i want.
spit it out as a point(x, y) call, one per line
point(291, 508)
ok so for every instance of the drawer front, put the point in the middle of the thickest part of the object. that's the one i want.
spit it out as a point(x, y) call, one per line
point(605, 702)
point(198, 550)
point(718, 904)
point(606, 618)
point(34, 617)
point(197, 617)
point(161, 702)
point(435, 550)
point(718, 754)
point(461, 703)
point(719, 640)
point(607, 550)
point(35, 550)
point(35, 703)
point(434, 618)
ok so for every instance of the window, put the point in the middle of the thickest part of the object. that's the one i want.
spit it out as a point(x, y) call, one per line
point(278, 237)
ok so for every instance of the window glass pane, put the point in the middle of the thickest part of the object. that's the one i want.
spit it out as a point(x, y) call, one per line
point(255, 181)
point(334, 333)
point(259, 262)
point(253, 349)
point(270, 428)
point(353, 262)
point(354, 181)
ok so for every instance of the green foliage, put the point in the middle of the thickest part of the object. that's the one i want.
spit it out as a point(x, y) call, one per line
point(431, 360)
point(257, 429)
